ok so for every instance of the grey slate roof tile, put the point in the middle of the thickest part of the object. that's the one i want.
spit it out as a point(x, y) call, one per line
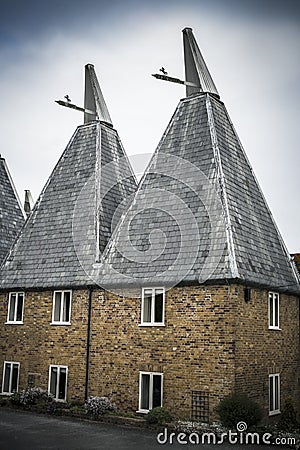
point(11, 215)
point(45, 254)
point(259, 253)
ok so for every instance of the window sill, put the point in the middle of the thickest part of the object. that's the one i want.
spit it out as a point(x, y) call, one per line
point(8, 394)
point(151, 325)
point(274, 413)
point(275, 328)
point(142, 411)
point(13, 323)
point(61, 323)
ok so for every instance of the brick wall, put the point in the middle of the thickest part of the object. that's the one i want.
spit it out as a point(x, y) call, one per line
point(194, 350)
point(261, 351)
point(36, 344)
point(212, 341)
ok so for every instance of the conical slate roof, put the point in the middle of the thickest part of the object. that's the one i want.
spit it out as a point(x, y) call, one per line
point(11, 212)
point(89, 182)
point(198, 214)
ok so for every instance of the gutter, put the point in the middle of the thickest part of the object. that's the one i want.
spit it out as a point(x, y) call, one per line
point(88, 344)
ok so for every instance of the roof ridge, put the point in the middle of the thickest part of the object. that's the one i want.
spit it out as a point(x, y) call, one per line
point(223, 196)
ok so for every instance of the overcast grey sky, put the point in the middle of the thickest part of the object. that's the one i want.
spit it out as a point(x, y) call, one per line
point(252, 49)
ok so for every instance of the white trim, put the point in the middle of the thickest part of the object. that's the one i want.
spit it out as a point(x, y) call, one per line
point(59, 367)
point(152, 322)
point(15, 322)
point(271, 298)
point(145, 411)
point(274, 376)
point(61, 322)
point(10, 378)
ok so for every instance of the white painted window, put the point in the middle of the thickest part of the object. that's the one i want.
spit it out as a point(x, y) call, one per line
point(274, 394)
point(15, 307)
point(61, 313)
point(274, 310)
point(10, 379)
point(57, 386)
point(153, 306)
point(151, 391)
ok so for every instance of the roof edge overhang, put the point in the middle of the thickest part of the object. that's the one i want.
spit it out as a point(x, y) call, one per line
point(185, 283)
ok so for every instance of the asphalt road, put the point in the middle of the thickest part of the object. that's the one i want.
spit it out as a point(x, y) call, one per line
point(21, 430)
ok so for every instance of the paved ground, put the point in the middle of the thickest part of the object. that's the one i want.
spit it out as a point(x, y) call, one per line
point(21, 430)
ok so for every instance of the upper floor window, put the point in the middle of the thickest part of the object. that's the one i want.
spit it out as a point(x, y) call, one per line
point(274, 310)
point(61, 313)
point(10, 380)
point(58, 382)
point(274, 394)
point(151, 390)
point(15, 307)
point(153, 306)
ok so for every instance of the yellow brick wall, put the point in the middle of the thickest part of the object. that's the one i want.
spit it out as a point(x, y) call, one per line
point(36, 344)
point(212, 341)
point(194, 349)
point(261, 351)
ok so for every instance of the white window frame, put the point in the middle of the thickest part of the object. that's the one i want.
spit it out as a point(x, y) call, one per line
point(274, 376)
point(272, 320)
point(152, 322)
point(15, 321)
point(57, 385)
point(61, 322)
point(145, 411)
point(10, 378)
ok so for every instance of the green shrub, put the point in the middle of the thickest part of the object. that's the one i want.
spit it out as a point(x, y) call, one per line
point(15, 399)
point(159, 415)
point(239, 408)
point(4, 401)
point(288, 418)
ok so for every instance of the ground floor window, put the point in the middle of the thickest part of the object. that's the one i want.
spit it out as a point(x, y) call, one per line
point(151, 390)
point(10, 380)
point(274, 393)
point(58, 382)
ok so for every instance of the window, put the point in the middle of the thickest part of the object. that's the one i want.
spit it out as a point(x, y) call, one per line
point(15, 307)
point(61, 313)
point(274, 394)
point(153, 306)
point(274, 310)
point(58, 382)
point(10, 379)
point(151, 390)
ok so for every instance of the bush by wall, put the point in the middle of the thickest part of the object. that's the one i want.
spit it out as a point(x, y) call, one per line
point(288, 418)
point(239, 408)
point(97, 406)
point(159, 415)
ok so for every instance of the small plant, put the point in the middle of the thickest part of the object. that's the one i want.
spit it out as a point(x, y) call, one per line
point(4, 401)
point(33, 396)
point(97, 406)
point(238, 407)
point(159, 415)
point(288, 418)
point(14, 399)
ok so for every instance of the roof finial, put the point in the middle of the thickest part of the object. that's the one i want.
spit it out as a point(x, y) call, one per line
point(94, 104)
point(93, 98)
point(196, 70)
